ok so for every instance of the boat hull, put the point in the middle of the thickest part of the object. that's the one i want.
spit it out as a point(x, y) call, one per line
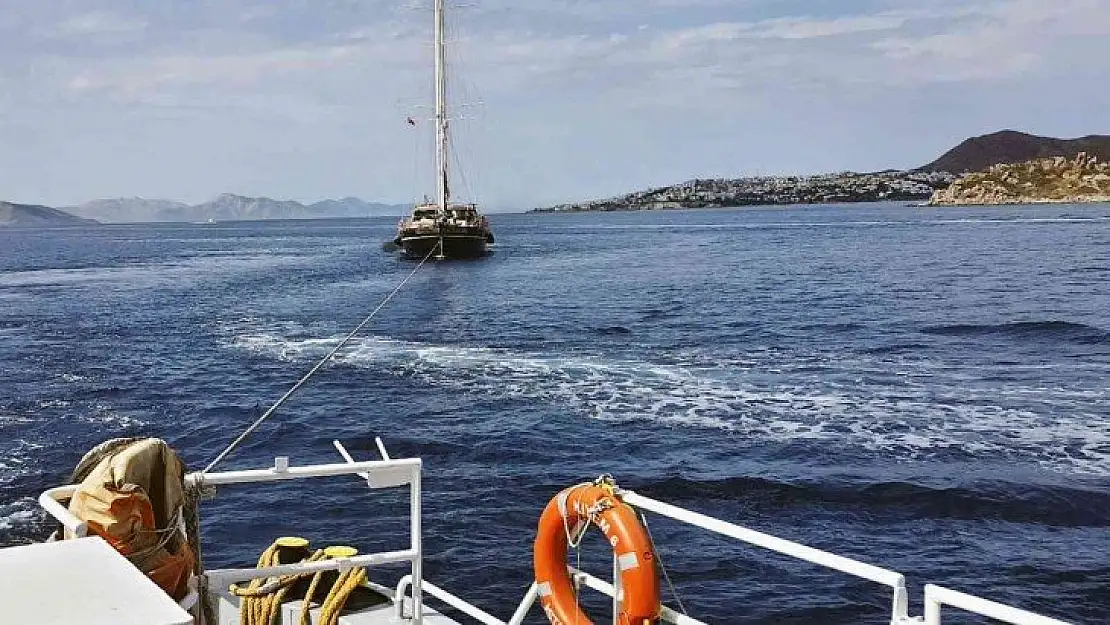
point(454, 245)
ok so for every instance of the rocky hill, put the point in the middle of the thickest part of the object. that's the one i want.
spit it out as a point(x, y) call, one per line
point(231, 207)
point(1009, 146)
point(31, 215)
point(764, 190)
point(129, 210)
point(1047, 180)
point(228, 207)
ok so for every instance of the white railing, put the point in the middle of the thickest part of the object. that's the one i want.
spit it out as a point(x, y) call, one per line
point(899, 613)
point(667, 614)
point(936, 596)
point(431, 589)
point(378, 474)
point(463, 606)
point(389, 473)
point(51, 499)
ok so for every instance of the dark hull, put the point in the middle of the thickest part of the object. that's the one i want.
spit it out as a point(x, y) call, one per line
point(454, 246)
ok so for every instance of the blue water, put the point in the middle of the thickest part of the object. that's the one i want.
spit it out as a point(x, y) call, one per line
point(922, 389)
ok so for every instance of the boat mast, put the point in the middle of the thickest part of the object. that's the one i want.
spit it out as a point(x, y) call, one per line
point(441, 109)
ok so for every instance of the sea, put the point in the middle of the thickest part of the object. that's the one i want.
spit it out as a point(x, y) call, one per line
point(923, 389)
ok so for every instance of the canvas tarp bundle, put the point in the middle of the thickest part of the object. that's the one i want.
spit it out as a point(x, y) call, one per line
point(131, 493)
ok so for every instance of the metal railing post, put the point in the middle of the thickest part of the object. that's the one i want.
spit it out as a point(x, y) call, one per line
point(616, 590)
point(937, 596)
point(389, 473)
point(525, 604)
point(900, 606)
point(932, 610)
point(48, 500)
point(786, 547)
point(417, 546)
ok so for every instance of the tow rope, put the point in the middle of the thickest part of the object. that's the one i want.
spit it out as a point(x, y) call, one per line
point(261, 600)
point(266, 415)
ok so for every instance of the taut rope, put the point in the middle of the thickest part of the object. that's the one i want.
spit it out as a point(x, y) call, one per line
point(312, 372)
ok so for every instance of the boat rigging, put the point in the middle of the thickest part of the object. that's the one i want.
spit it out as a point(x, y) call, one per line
point(456, 230)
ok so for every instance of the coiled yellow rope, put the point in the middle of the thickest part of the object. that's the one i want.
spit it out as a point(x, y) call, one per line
point(260, 601)
point(333, 604)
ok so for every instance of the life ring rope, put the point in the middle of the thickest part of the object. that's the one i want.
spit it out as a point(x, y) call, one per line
point(662, 566)
point(574, 537)
point(562, 526)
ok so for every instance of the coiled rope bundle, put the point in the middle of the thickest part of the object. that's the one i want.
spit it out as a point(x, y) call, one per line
point(261, 600)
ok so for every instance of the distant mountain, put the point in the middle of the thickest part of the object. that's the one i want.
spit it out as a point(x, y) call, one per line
point(129, 210)
point(229, 207)
point(1010, 146)
point(31, 215)
point(354, 207)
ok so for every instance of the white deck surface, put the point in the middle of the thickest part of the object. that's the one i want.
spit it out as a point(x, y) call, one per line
point(382, 614)
point(82, 581)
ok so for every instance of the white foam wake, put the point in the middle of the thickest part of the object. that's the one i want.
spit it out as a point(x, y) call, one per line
point(910, 420)
point(17, 513)
point(17, 460)
point(147, 275)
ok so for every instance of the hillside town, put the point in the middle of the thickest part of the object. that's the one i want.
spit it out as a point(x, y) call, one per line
point(763, 190)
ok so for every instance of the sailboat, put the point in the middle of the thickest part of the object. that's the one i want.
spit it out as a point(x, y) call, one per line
point(442, 228)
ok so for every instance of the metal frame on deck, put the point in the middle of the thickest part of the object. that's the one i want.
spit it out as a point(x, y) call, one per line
point(389, 473)
point(378, 474)
point(385, 473)
point(899, 612)
point(936, 596)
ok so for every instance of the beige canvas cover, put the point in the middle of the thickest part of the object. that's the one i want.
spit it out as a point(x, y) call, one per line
point(132, 496)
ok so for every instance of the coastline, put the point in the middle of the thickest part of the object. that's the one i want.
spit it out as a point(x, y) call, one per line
point(1030, 201)
point(836, 188)
point(1057, 180)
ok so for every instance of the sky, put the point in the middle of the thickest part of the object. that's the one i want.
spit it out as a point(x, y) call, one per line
point(556, 100)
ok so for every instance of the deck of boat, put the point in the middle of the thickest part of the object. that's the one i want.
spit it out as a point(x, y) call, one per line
point(371, 607)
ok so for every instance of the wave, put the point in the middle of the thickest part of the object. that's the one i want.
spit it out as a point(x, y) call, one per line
point(17, 460)
point(780, 406)
point(612, 330)
point(155, 274)
point(835, 327)
point(1064, 331)
point(663, 312)
point(896, 348)
point(18, 513)
point(1063, 219)
point(491, 451)
point(1017, 503)
point(607, 390)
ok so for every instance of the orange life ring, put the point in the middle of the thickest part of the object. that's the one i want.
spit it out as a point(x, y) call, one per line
point(569, 514)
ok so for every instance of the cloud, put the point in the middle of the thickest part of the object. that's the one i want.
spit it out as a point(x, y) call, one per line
point(98, 23)
point(137, 76)
point(802, 28)
point(997, 41)
point(690, 83)
point(897, 47)
point(940, 43)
